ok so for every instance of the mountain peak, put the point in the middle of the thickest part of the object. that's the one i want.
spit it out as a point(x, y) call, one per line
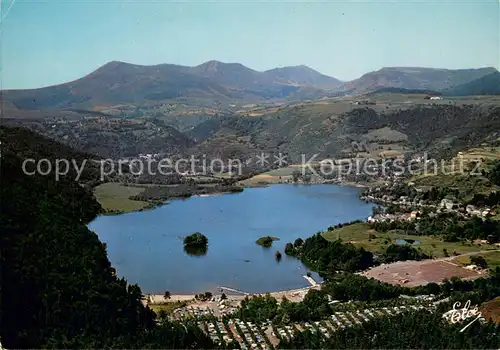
point(213, 66)
point(415, 69)
point(300, 66)
point(211, 63)
point(422, 78)
point(303, 75)
point(113, 64)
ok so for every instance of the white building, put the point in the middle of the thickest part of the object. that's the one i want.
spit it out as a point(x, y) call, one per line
point(447, 203)
point(470, 208)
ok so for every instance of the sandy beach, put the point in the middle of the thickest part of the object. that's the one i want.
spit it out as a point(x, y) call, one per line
point(292, 295)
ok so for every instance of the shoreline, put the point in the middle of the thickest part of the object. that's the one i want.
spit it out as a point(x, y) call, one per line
point(296, 294)
point(270, 183)
point(159, 204)
point(156, 205)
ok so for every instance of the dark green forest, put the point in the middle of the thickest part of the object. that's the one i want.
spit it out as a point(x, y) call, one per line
point(326, 257)
point(58, 289)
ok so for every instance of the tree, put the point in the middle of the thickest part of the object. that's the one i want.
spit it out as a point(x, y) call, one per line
point(196, 244)
point(306, 178)
point(296, 175)
point(162, 314)
point(266, 241)
point(491, 239)
point(196, 240)
point(326, 256)
point(494, 173)
point(479, 261)
point(289, 250)
point(298, 242)
point(278, 256)
point(433, 288)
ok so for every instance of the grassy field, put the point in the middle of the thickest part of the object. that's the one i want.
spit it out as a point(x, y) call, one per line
point(359, 234)
point(385, 102)
point(456, 173)
point(168, 307)
point(390, 153)
point(486, 153)
point(264, 179)
point(466, 185)
point(115, 197)
point(464, 162)
point(288, 171)
point(271, 177)
point(484, 156)
point(461, 182)
point(385, 134)
point(492, 258)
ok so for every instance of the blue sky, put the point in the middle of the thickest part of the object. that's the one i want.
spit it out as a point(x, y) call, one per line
point(49, 42)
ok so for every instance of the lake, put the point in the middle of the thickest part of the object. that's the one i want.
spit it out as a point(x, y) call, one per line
point(147, 248)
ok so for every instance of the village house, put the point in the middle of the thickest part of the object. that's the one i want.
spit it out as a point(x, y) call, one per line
point(485, 212)
point(403, 199)
point(470, 208)
point(447, 204)
point(476, 212)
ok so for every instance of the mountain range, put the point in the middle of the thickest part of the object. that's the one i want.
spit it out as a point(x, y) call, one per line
point(416, 78)
point(215, 83)
point(119, 82)
point(486, 85)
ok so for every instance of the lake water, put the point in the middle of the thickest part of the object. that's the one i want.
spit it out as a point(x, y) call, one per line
point(147, 248)
point(407, 242)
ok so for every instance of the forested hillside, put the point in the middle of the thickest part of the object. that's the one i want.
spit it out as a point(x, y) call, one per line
point(330, 130)
point(58, 288)
point(486, 85)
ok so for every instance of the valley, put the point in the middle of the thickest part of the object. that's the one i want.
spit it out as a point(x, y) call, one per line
point(380, 124)
point(249, 175)
point(239, 154)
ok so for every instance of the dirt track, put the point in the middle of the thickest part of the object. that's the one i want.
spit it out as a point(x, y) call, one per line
point(417, 273)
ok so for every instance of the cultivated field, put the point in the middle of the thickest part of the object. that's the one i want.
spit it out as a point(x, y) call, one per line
point(359, 234)
point(115, 197)
point(280, 175)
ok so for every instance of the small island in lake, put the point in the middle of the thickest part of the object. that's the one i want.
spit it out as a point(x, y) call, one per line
point(196, 244)
point(266, 241)
point(196, 239)
point(278, 256)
